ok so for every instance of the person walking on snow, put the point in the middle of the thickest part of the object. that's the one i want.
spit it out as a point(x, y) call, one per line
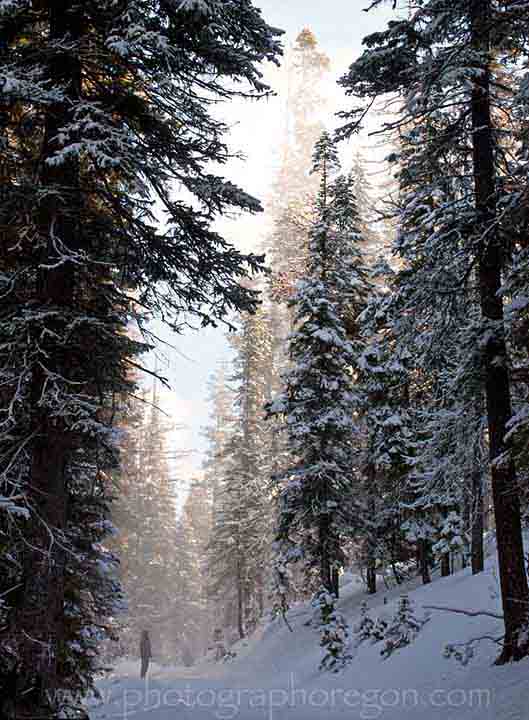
point(145, 652)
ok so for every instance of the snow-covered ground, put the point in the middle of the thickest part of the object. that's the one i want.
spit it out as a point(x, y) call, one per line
point(276, 676)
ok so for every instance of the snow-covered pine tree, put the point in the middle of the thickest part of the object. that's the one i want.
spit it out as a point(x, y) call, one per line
point(403, 628)
point(437, 317)
point(450, 473)
point(93, 596)
point(363, 630)
point(349, 275)
point(379, 630)
point(359, 303)
point(291, 209)
point(365, 201)
point(318, 403)
point(333, 630)
point(444, 65)
point(451, 540)
point(387, 426)
point(291, 203)
point(436, 320)
point(240, 538)
point(105, 108)
point(513, 209)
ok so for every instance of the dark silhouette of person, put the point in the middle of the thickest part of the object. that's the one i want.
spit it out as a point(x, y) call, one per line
point(145, 652)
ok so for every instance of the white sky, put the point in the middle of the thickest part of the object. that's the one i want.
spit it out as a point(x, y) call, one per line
point(339, 26)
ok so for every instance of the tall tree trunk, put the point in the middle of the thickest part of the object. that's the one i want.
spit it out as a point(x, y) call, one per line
point(477, 550)
point(371, 577)
point(371, 574)
point(240, 600)
point(335, 580)
point(445, 565)
point(328, 547)
point(260, 595)
point(466, 551)
point(41, 614)
point(325, 560)
point(504, 485)
point(424, 568)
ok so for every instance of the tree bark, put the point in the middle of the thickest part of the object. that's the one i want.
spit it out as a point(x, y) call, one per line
point(371, 574)
point(477, 550)
point(424, 568)
point(445, 565)
point(325, 560)
point(41, 613)
point(260, 595)
point(504, 485)
point(371, 577)
point(240, 601)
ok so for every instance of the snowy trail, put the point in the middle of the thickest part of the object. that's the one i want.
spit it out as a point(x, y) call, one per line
point(276, 676)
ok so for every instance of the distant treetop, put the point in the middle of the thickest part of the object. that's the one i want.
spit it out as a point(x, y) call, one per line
point(306, 41)
point(306, 38)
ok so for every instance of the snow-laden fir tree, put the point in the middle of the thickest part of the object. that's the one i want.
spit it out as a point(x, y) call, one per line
point(378, 632)
point(317, 503)
point(240, 536)
point(447, 67)
point(436, 320)
point(106, 111)
point(516, 286)
point(387, 430)
point(333, 631)
point(403, 628)
point(363, 630)
point(451, 538)
point(291, 204)
point(450, 473)
point(291, 210)
point(364, 193)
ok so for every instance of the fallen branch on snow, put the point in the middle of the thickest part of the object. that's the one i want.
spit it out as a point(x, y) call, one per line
point(469, 613)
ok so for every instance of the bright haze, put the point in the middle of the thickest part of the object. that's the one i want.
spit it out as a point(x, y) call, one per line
point(256, 133)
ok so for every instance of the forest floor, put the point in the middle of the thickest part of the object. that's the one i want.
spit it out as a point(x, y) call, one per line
point(275, 674)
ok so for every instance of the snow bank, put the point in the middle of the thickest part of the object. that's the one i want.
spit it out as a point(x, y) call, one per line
point(275, 675)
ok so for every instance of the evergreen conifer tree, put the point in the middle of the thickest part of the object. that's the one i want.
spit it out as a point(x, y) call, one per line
point(334, 633)
point(363, 630)
point(444, 65)
point(105, 107)
point(316, 497)
point(240, 538)
point(403, 628)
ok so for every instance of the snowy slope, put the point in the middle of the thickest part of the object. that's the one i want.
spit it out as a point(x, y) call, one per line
point(276, 675)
